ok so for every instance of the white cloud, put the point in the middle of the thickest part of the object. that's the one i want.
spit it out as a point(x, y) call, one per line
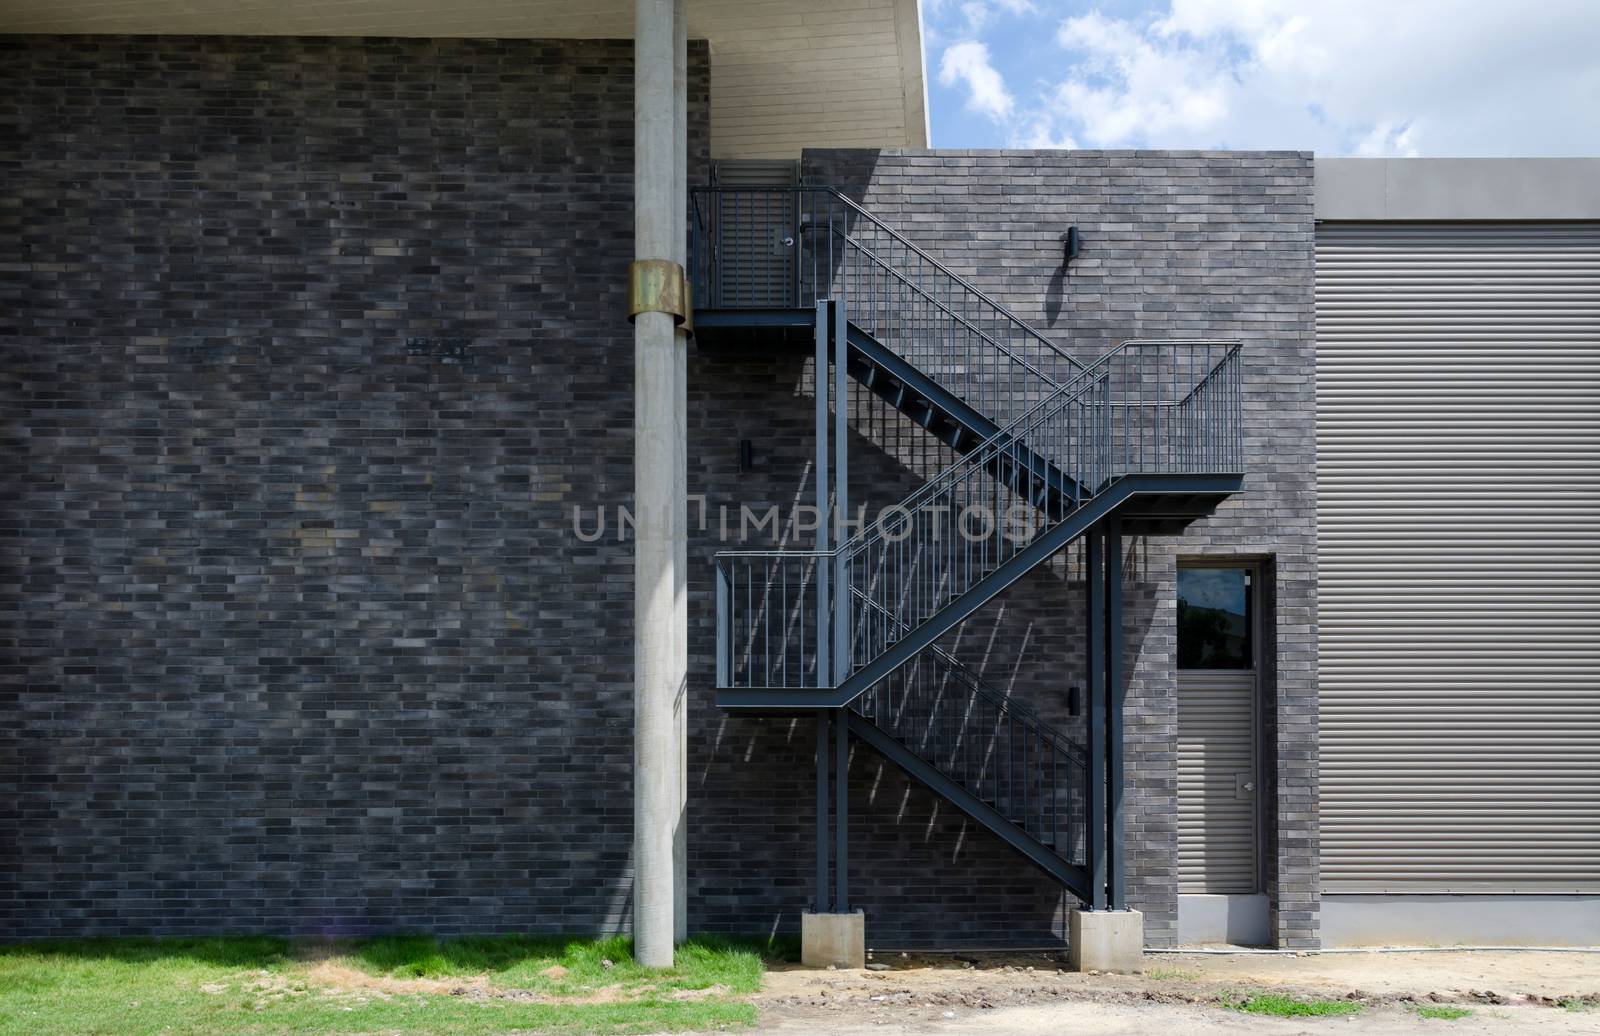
point(975, 16)
point(1371, 77)
point(1135, 87)
point(1388, 139)
point(1039, 134)
point(968, 63)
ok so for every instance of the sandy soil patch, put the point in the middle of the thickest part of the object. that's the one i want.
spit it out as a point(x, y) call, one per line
point(1028, 994)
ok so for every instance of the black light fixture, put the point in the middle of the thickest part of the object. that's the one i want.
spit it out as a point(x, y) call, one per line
point(747, 458)
point(1074, 701)
point(1072, 243)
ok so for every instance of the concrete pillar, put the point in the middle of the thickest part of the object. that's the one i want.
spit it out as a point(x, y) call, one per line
point(680, 240)
point(660, 618)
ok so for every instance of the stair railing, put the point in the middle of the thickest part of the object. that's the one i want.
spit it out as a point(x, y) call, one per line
point(1146, 407)
point(966, 522)
point(772, 603)
point(1002, 752)
point(786, 248)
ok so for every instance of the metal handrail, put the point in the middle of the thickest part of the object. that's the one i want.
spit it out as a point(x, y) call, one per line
point(916, 571)
point(1006, 435)
point(958, 318)
point(789, 247)
point(1014, 432)
point(1021, 324)
point(1010, 434)
point(1145, 406)
point(978, 457)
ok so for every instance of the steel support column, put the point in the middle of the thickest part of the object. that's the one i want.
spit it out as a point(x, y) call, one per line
point(825, 611)
point(1116, 891)
point(841, 813)
point(841, 513)
point(824, 896)
point(1095, 673)
point(841, 488)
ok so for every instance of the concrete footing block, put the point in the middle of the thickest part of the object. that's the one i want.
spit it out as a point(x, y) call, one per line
point(839, 940)
point(1106, 940)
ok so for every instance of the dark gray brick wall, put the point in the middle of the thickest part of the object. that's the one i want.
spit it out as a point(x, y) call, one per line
point(311, 346)
point(1176, 244)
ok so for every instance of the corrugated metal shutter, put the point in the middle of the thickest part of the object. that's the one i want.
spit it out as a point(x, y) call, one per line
point(756, 234)
point(1216, 762)
point(1458, 473)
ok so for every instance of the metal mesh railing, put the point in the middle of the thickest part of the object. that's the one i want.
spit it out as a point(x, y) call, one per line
point(786, 248)
point(1143, 408)
point(1002, 753)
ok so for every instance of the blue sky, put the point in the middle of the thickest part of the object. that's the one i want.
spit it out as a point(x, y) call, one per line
point(1339, 77)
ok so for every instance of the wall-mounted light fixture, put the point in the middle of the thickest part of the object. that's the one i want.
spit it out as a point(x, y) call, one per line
point(1074, 701)
point(1071, 244)
point(747, 455)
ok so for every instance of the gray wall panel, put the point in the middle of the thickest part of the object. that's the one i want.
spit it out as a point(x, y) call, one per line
point(1458, 455)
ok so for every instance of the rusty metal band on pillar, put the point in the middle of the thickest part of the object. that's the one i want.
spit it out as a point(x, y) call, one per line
point(659, 286)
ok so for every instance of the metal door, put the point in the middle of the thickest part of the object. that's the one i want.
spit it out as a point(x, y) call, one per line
point(1218, 733)
point(757, 236)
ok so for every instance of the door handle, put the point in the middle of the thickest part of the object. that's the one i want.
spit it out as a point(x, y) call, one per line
point(1243, 786)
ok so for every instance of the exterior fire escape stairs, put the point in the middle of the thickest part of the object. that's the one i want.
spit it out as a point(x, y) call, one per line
point(1142, 441)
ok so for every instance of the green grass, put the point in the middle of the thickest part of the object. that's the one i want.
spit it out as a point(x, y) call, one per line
point(1580, 1003)
point(1176, 974)
point(417, 985)
point(1280, 1006)
point(1444, 1012)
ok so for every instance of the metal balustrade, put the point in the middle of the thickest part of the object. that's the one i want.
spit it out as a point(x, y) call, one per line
point(786, 248)
point(999, 751)
point(1167, 408)
point(774, 618)
point(1047, 449)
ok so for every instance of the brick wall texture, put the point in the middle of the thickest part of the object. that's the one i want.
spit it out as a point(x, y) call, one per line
point(313, 346)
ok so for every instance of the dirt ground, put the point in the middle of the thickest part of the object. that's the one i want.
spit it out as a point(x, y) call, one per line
point(1032, 995)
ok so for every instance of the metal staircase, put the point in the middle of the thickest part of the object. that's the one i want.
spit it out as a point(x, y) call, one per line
point(1145, 439)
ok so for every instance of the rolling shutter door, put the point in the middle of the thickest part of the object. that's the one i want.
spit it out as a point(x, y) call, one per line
point(1216, 774)
point(1458, 478)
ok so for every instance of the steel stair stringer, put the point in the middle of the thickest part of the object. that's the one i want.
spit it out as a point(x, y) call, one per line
point(1073, 877)
point(949, 418)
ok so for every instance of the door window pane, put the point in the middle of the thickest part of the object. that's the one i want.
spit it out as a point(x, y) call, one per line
point(1214, 618)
